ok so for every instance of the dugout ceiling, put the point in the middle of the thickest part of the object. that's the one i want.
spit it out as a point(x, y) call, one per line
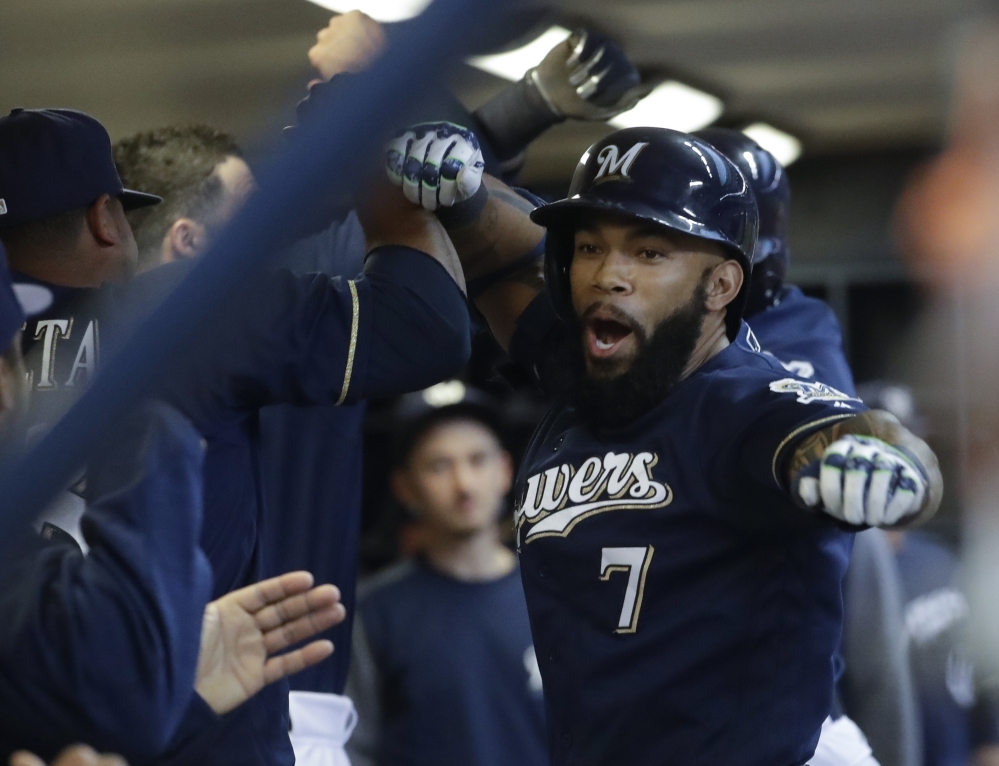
point(842, 74)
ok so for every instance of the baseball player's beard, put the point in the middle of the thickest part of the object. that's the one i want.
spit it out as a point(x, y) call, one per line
point(658, 366)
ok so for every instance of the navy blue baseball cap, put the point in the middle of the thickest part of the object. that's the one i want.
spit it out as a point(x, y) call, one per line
point(17, 302)
point(416, 412)
point(56, 160)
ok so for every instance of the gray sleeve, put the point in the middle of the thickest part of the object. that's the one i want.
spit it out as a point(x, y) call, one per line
point(364, 689)
point(877, 686)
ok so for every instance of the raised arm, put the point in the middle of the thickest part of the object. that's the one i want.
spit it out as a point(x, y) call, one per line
point(438, 166)
point(867, 470)
point(585, 77)
point(389, 221)
point(400, 326)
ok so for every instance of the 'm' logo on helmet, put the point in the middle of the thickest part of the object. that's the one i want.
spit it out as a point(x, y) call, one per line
point(614, 169)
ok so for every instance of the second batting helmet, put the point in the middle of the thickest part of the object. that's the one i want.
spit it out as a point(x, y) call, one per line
point(673, 179)
point(769, 181)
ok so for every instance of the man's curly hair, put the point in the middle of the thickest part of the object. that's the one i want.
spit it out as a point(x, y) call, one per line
point(178, 164)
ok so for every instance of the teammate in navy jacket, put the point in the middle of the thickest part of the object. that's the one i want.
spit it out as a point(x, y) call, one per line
point(104, 648)
point(401, 325)
point(109, 647)
point(684, 506)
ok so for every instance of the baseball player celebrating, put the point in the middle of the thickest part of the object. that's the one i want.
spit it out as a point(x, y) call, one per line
point(684, 509)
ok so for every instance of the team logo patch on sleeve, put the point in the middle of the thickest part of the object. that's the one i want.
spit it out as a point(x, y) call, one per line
point(809, 391)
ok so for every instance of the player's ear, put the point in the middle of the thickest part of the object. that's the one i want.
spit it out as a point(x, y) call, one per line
point(724, 283)
point(101, 221)
point(186, 238)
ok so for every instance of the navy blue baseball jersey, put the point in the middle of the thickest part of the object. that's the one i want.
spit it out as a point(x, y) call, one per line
point(313, 514)
point(805, 336)
point(444, 673)
point(103, 648)
point(683, 609)
point(305, 340)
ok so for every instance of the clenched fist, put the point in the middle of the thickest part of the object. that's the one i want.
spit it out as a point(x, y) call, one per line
point(349, 43)
point(437, 164)
point(587, 77)
point(863, 480)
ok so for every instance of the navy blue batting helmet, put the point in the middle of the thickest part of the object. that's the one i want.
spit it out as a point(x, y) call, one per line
point(769, 181)
point(672, 179)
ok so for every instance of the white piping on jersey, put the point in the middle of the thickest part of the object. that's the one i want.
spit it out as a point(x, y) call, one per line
point(355, 321)
point(815, 424)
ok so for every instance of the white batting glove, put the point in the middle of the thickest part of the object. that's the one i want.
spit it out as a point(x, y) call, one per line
point(588, 77)
point(863, 480)
point(437, 164)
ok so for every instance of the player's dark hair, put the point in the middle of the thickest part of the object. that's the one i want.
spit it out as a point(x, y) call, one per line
point(54, 234)
point(177, 163)
point(657, 368)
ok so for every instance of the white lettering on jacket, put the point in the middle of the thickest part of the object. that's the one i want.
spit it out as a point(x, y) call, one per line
point(560, 497)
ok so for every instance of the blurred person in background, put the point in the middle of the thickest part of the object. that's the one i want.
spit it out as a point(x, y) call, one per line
point(960, 715)
point(947, 225)
point(309, 339)
point(108, 635)
point(314, 511)
point(443, 671)
point(875, 686)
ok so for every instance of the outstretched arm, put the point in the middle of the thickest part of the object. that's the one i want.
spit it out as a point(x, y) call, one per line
point(102, 648)
point(867, 470)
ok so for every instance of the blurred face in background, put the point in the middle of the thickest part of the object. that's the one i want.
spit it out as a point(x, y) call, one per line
point(456, 478)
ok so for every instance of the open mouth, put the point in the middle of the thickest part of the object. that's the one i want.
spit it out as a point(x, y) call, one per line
point(604, 336)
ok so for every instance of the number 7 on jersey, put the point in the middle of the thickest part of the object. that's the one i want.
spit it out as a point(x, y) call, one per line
point(634, 561)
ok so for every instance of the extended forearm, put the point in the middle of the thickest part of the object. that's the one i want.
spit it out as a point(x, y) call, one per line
point(886, 428)
point(586, 77)
point(514, 117)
